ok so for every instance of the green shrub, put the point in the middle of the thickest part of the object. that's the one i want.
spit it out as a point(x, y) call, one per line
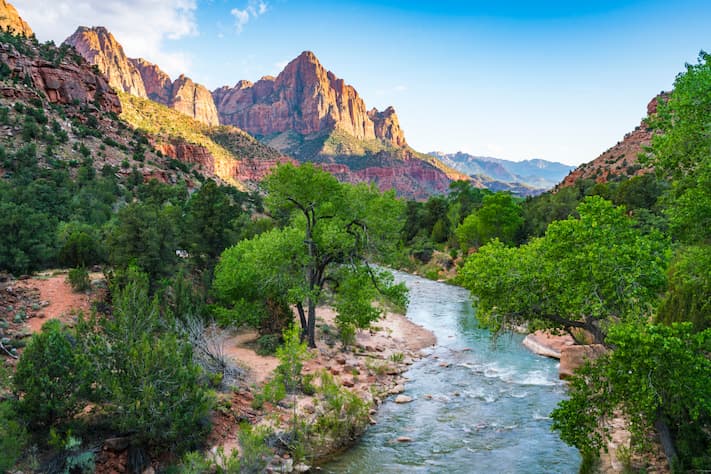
point(49, 376)
point(79, 279)
point(13, 437)
point(268, 344)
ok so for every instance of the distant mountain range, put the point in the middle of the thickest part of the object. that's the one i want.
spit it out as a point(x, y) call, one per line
point(526, 177)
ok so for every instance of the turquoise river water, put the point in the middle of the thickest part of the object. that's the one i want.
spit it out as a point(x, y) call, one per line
point(488, 411)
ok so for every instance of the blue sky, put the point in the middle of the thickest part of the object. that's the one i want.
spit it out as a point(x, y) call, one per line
point(556, 80)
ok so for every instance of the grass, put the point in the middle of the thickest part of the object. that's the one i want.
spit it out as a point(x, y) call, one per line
point(226, 144)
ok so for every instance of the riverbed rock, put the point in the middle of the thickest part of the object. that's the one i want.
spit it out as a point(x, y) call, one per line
point(403, 439)
point(573, 357)
point(397, 389)
point(403, 399)
point(546, 344)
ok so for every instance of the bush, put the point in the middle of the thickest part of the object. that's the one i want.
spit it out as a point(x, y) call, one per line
point(268, 344)
point(79, 279)
point(49, 376)
point(13, 437)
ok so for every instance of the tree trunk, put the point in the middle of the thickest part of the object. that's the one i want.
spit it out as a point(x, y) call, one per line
point(302, 320)
point(312, 323)
point(665, 438)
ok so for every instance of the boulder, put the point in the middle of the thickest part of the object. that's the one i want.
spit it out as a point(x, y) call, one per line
point(572, 357)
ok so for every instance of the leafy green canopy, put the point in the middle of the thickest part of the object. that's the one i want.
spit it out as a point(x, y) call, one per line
point(682, 150)
point(584, 273)
point(328, 232)
point(655, 372)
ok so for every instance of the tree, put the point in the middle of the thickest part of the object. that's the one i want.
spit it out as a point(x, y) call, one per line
point(680, 150)
point(49, 376)
point(145, 235)
point(332, 229)
point(657, 376)
point(209, 224)
point(143, 372)
point(498, 218)
point(584, 273)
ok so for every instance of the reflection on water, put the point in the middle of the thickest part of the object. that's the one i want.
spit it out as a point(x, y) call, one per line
point(487, 412)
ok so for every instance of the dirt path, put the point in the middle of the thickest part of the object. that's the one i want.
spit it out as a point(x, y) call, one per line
point(57, 300)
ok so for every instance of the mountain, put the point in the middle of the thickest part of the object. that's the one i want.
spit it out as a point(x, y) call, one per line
point(309, 113)
point(529, 176)
point(55, 101)
point(140, 78)
point(620, 159)
point(10, 20)
point(307, 99)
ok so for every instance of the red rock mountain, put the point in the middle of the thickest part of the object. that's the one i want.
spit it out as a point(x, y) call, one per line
point(10, 20)
point(63, 83)
point(99, 47)
point(307, 99)
point(141, 78)
point(620, 159)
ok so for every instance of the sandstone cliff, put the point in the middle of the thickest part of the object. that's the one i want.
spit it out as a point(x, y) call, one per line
point(193, 100)
point(621, 159)
point(99, 47)
point(63, 83)
point(157, 83)
point(10, 20)
point(307, 99)
point(141, 78)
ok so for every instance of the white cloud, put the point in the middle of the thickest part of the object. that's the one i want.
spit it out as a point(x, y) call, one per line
point(254, 9)
point(141, 26)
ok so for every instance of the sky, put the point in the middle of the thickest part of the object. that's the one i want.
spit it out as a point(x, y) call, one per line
point(557, 80)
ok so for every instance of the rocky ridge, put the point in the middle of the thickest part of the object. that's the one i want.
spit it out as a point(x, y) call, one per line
point(10, 20)
point(622, 159)
point(307, 99)
point(141, 78)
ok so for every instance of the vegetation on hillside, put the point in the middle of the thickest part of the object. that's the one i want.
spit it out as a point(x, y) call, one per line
point(225, 143)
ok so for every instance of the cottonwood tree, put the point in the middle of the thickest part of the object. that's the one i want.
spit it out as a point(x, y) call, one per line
point(330, 232)
point(584, 273)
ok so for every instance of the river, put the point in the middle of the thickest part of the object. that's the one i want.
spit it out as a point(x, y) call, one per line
point(481, 404)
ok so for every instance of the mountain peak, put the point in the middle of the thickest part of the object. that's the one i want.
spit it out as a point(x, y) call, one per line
point(98, 46)
point(307, 99)
point(10, 20)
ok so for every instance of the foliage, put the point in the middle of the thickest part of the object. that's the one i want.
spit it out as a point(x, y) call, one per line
point(330, 229)
point(498, 218)
point(584, 273)
point(291, 354)
point(689, 295)
point(681, 150)
point(654, 373)
point(79, 244)
point(78, 278)
point(49, 376)
point(143, 372)
point(345, 414)
point(13, 437)
point(145, 235)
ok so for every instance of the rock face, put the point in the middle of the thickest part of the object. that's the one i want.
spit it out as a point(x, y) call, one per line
point(142, 78)
point(99, 47)
point(622, 158)
point(157, 83)
point(572, 357)
point(193, 100)
point(387, 126)
point(10, 20)
point(307, 99)
point(246, 170)
point(63, 83)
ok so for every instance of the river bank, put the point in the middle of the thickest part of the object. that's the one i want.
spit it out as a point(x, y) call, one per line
point(371, 369)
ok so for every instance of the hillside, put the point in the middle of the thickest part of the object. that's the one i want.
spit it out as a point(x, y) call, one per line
point(621, 159)
point(224, 151)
